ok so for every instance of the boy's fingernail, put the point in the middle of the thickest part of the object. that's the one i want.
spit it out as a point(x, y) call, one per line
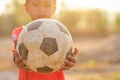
point(69, 56)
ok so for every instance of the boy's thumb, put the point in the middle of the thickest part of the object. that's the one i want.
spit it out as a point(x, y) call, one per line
point(15, 53)
point(75, 52)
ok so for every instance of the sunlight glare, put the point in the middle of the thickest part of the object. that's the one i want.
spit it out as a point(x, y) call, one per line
point(3, 3)
point(107, 5)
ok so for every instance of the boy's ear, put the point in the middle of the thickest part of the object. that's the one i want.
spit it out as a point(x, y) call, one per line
point(26, 8)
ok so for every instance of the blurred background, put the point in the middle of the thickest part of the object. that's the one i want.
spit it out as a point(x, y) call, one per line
point(95, 28)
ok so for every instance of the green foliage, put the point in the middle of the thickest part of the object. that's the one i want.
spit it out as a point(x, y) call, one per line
point(77, 21)
point(97, 20)
point(6, 24)
point(70, 18)
point(17, 18)
point(117, 21)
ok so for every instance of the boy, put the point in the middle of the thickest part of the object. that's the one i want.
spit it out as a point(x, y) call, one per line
point(39, 9)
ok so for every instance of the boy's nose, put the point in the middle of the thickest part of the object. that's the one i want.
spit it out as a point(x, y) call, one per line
point(42, 9)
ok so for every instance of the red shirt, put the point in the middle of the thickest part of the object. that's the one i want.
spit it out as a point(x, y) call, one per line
point(24, 75)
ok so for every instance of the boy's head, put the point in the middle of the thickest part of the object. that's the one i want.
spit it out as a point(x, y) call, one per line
point(40, 8)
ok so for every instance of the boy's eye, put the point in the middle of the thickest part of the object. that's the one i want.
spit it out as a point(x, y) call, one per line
point(35, 4)
point(47, 5)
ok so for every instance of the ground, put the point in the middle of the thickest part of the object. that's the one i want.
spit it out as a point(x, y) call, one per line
point(98, 59)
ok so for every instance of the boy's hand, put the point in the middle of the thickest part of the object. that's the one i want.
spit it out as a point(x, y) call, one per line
point(70, 61)
point(19, 61)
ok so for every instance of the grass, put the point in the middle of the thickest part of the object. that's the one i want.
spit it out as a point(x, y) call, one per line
point(94, 76)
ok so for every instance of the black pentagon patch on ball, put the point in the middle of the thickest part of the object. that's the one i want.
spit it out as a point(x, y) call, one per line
point(61, 28)
point(44, 69)
point(34, 26)
point(69, 52)
point(23, 51)
point(49, 46)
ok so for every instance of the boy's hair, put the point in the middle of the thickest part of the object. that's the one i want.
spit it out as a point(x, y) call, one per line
point(28, 0)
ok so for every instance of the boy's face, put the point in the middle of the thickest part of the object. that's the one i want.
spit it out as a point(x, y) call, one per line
point(40, 8)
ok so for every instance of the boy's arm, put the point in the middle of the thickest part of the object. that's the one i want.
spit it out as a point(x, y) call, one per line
point(20, 63)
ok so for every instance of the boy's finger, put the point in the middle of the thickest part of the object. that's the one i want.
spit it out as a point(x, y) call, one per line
point(18, 60)
point(69, 63)
point(15, 53)
point(71, 58)
point(75, 52)
point(62, 69)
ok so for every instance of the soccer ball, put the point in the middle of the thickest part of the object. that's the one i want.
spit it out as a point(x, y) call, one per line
point(44, 44)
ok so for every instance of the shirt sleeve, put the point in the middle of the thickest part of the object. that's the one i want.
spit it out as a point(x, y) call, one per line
point(15, 35)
